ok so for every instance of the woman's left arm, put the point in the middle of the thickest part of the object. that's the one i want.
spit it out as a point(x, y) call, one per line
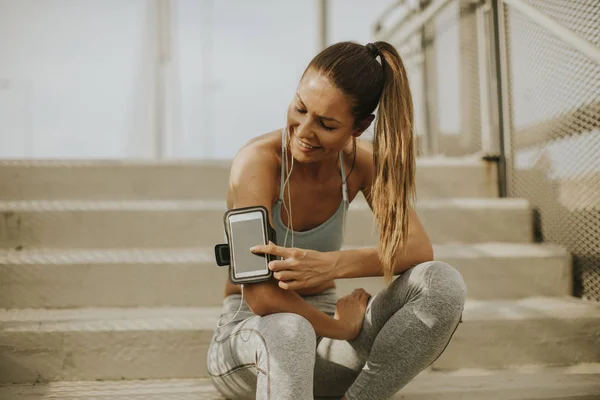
point(300, 269)
point(356, 263)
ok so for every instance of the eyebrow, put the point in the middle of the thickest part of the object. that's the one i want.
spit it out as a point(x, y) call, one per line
point(320, 116)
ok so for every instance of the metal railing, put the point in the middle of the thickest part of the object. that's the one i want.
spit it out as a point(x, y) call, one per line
point(409, 10)
point(415, 20)
point(415, 35)
point(529, 96)
point(558, 30)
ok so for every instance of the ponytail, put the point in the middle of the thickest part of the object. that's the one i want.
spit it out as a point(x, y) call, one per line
point(353, 68)
point(394, 190)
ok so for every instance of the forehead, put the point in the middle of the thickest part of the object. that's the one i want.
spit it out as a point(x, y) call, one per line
point(322, 97)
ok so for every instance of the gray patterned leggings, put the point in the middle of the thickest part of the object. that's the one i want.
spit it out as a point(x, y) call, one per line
point(406, 328)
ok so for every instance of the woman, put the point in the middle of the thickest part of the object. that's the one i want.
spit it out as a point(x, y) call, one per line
point(293, 338)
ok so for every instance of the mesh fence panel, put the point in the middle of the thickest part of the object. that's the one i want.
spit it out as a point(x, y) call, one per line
point(451, 116)
point(555, 131)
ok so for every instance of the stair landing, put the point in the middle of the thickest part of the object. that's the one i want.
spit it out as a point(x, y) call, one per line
point(580, 382)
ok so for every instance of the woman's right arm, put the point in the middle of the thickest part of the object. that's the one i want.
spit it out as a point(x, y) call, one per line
point(252, 183)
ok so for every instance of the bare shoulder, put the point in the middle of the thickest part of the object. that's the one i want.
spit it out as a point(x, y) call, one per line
point(255, 168)
point(259, 151)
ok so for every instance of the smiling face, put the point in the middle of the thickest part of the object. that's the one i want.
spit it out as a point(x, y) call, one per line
point(320, 120)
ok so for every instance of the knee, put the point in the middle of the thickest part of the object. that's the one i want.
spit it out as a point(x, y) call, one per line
point(446, 281)
point(444, 286)
point(294, 332)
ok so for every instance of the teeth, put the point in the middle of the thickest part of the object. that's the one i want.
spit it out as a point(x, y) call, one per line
point(304, 144)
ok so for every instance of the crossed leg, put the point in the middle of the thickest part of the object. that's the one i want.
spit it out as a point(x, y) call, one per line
point(406, 328)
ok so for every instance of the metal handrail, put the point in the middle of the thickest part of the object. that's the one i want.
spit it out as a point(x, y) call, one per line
point(557, 29)
point(424, 16)
point(418, 22)
point(415, 23)
point(377, 27)
point(385, 13)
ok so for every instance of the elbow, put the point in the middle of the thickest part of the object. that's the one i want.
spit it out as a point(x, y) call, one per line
point(260, 308)
point(257, 297)
point(427, 252)
point(423, 253)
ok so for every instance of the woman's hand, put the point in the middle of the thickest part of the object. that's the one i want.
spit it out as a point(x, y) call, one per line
point(350, 311)
point(299, 268)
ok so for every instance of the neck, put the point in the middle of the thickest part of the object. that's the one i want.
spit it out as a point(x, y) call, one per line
point(319, 171)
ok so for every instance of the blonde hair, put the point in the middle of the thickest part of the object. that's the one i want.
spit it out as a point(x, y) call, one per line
point(353, 68)
point(394, 189)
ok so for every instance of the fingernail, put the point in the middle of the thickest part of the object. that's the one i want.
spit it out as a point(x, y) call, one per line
point(270, 266)
point(253, 248)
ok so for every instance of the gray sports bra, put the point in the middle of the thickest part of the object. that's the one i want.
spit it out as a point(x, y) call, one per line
point(326, 237)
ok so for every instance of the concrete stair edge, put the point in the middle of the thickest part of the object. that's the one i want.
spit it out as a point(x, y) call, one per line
point(210, 204)
point(519, 384)
point(42, 255)
point(468, 161)
point(184, 318)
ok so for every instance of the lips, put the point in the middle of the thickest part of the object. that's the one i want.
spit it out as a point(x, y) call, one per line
point(306, 145)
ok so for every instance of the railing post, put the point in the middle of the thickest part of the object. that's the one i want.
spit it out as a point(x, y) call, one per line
point(321, 25)
point(163, 81)
point(500, 97)
point(430, 92)
point(208, 83)
point(469, 98)
point(490, 147)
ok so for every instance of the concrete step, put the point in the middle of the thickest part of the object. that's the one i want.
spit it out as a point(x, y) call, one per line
point(580, 382)
point(141, 180)
point(112, 224)
point(184, 277)
point(171, 343)
point(454, 220)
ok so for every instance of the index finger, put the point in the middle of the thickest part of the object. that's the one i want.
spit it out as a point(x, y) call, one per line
point(270, 248)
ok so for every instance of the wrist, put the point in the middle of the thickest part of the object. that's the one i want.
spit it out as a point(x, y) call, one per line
point(342, 330)
point(333, 269)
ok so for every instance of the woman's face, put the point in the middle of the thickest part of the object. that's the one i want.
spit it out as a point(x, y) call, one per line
point(320, 122)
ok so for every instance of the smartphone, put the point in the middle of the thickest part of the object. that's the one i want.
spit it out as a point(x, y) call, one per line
point(246, 230)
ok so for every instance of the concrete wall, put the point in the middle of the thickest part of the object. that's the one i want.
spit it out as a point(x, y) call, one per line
point(75, 78)
point(78, 78)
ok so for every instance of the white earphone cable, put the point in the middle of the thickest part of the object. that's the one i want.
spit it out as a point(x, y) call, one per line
point(344, 200)
point(288, 210)
point(219, 325)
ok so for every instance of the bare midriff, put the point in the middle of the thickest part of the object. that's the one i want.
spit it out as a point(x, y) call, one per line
point(235, 289)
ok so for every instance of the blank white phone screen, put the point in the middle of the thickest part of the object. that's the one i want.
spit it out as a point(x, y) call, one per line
point(247, 230)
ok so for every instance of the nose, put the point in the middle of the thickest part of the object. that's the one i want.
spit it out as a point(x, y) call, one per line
point(303, 131)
